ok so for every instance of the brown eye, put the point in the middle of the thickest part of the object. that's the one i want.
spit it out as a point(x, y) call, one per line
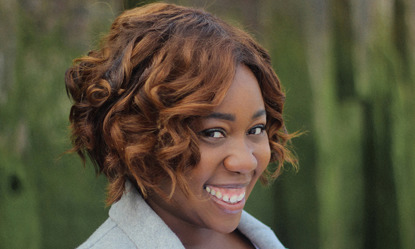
point(213, 133)
point(256, 130)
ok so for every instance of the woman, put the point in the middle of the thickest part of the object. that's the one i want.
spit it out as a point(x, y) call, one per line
point(182, 113)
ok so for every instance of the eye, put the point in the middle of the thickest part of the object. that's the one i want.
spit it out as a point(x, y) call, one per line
point(213, 133)
point(256, 130)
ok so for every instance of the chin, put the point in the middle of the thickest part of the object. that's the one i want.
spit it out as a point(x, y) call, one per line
point(227, 225)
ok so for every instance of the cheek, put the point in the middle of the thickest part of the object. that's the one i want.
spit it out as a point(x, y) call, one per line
point(205, 167)
point(263, 156)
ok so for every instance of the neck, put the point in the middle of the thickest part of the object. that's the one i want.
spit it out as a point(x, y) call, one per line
point(197, 234)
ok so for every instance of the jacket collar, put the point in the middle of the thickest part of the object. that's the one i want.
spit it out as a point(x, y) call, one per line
point(141, 224)
point(259, 234)
point(147, 230)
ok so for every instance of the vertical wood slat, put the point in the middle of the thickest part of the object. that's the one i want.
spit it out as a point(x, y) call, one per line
point(403, 109)
point(338, 128)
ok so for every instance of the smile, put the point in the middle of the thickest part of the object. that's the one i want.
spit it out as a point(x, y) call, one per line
point(228, 195)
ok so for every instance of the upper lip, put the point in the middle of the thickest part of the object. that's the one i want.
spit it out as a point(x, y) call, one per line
point(228, 185)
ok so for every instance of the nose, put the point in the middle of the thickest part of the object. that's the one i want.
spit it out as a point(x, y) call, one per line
point(240, 158)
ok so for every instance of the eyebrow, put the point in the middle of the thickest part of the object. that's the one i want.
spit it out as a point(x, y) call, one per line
point(231, 117)
point(259, 114)
point(224, 116)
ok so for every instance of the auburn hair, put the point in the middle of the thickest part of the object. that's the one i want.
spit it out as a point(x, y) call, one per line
point(135, 98)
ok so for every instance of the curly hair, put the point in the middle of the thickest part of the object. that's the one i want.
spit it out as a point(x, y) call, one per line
point(135, 98)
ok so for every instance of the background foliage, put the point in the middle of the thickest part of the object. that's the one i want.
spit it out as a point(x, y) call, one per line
point(348, 70)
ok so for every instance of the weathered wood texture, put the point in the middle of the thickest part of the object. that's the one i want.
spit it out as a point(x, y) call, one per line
point(361, 68)
point(46, 202)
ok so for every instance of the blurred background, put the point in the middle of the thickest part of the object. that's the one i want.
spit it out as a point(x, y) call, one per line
point(348, 68)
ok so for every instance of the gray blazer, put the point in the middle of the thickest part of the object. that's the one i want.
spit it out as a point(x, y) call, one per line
point(133, 224)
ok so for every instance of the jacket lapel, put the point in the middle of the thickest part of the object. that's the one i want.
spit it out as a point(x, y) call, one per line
point(141, 224)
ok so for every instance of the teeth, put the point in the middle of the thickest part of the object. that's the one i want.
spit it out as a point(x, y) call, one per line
point(240, 197)
point(226, 198)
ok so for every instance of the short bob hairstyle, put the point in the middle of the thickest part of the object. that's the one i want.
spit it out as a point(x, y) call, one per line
point(159, 69)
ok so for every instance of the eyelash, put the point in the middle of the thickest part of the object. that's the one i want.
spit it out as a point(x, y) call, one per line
point(210, 133)
point(261, 127)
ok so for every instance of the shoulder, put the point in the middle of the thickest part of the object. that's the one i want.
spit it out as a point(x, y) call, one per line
point(259, 234)
point(132, 224)
point(107, 236)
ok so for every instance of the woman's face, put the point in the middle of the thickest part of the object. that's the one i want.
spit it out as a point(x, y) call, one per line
point(234, 153)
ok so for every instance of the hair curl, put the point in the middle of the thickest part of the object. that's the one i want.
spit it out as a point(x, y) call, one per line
point(161, 67)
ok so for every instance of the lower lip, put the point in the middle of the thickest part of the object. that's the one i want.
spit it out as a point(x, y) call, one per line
point(228, 207)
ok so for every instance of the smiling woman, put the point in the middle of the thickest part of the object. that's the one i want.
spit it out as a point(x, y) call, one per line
point(234, 151)
point(182, 113)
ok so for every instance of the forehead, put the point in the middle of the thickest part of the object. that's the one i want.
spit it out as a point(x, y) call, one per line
point(243, 93)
